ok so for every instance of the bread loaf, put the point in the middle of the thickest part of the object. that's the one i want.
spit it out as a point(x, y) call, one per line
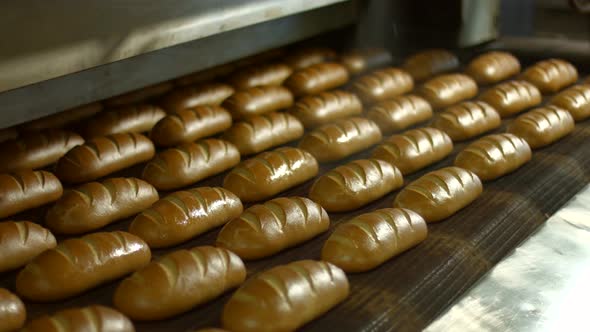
point(260, 75)
point(130, 119)
point(512, 97)
point(189, 125)
point(22, 241)
point(467, 120)
point(383, 84)
point(306, 57)
point(270, 173)
point(258, 100)
point(97, 204)
point(102, 156)
point(190, 163)
point(341, 139)
point(261, 132)
point(25, 190)
point(64, 118)
point(493, 67)
point(93, 318)
point(575, 100)
point(12, 311)
point(350, 186)
point(7, 134)
point(139, 95)
point(440, 194)
point(36, 150)
point(317, 78)
point(542, 126)
point(197, 95)
point(369, 240)
point(179, 282)
point(360, 61)
point(183, 215)
point(493, 156)
point(427, 63)
point(446, 90)
point(551, 75)
point(399, 113)
point(285, 297)
point(326, 107)
point(77, 265)
point(206, 75)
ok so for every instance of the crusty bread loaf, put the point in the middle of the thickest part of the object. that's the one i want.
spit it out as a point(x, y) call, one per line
point(140, 95)
point(285, 297)
point(493, 67)
point(77, 265)
point(206, 75)
point(25, 190)
point(102, 156)
point(512, 97)
point(325, 107)
point(575, 100)
point(317, 78)
point(399, 113)
point(369, 240)
point(551, 75)
point(21, 242)
point(493, 156)
point(36, 150)
point(129, 119)
point(97, 204)
point(190, 163)
point(266, 229)
point(64, 118)
point(261, 132)
point(427, 63)
point(440, 194)
point(446, 90)
point(306, 57)
point(178, 282)
point(260, 75)
point(340, 139)
point(12, 311)
point(383, 84)
point(183, 215)
point(467, 120)
point(542, 126)
point(189, 125)
point(197, 95)
point(270, 173)
point(350, 186)
point(258, 100)
point(95, 318)
point(360, 61)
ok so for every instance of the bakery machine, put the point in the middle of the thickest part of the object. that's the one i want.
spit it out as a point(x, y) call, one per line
point(514, 260)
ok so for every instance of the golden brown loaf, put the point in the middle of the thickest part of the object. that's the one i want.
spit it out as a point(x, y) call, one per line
point(140, 95)
point(179, 282)
point(383, 84)
point(350, 186)
point(400, 113)
point(97, 204)
point(25, 190)
point(326, 107)
point(440, 194)
point(102, 156)
point(493, 67)
point(493, 156)
point(191, 124)
point(369, 240)
point(258, 100)
point(12, 311)
point(261, 132)
point(93, 318)
point(64, 118)
point(183, 215)
point(266, 229)
point(7, 134)
point(414, 149)
point(575, 100)
point(551, 75)
point(512, 97)
point(446, 90)
point(22, 241)
point(317, 78)
point(189, 163)
point(428, 63)
point(341, 139)
point(197, 95)
point(304, 58)
point(360, 61)
point(130, 119)
point(270, 173)
point(260, 58)
point(77, 265)
point(467, 119)
point(36, 150)
point(285, 297)
point(260, 75)
point(205, 75)
point(542, 126)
